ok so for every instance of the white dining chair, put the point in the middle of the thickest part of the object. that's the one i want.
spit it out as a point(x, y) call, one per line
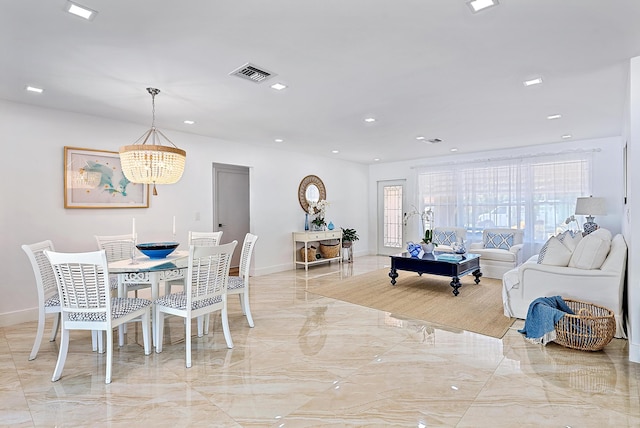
point(48, 300)
point(240, 284)
point(200, 239)
point(205, 291)
point(120, 247)
point(86, 303)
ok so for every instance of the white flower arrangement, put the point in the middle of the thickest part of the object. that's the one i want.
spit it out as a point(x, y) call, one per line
point(426, 222)
point(318, 209)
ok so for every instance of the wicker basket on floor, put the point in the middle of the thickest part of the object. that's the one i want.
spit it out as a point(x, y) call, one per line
point(310, 254)
point(329, 251)
point(590, 329)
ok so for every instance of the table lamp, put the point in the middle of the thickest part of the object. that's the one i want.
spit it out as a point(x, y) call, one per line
point(590, 207)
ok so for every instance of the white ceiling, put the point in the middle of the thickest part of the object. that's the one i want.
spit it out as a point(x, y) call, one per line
point(420, 67)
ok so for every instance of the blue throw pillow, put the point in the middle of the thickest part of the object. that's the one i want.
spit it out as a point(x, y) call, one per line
point(502, 241)
point(445, 237)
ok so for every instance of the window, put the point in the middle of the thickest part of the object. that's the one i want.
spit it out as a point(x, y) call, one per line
point(392, 216)
point(536, 194)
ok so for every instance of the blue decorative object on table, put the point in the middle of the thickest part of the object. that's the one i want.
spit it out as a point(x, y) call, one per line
point(330, 226)
point(415, 249)
point(157, 250)
point(458, 247)
point(306, 222)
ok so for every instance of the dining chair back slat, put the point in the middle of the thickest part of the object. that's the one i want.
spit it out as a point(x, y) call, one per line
point(205, 239)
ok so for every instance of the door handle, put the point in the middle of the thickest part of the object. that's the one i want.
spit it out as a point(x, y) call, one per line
point(221, 225)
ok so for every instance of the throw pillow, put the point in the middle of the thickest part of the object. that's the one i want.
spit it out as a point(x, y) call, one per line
point(554, 253)
point(570, 239)
point(591, 251)
point(499, 240)
point(445, 237)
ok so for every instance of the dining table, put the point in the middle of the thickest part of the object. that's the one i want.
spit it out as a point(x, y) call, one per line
point(153, 271)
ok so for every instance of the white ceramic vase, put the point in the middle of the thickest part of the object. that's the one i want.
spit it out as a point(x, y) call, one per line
point(428, 248)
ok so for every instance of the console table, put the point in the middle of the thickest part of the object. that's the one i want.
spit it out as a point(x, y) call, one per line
point(305, 238)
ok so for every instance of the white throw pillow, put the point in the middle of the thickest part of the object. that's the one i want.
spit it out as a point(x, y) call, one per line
point(602, 234)
point(570, 239)
point(592, 250)
point(554, 253)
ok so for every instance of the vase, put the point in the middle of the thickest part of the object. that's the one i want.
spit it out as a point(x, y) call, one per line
point(330, 226)
point(306, 222)
point(428, 248)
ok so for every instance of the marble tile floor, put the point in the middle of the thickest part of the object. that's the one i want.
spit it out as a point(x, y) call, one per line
point(312, 361)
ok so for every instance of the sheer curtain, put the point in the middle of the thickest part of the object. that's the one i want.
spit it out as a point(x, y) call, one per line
point(535, 193)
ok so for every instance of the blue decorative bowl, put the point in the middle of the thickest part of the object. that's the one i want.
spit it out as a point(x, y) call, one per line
point(157, 250)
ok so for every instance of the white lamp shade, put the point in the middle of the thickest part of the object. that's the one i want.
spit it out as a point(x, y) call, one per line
point(591, 206)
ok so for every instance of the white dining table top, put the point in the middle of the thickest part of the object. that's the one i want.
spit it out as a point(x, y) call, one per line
point(175, 260)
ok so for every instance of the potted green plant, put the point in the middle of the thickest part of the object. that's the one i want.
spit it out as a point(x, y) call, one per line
point(427, 242)
point(348, 237)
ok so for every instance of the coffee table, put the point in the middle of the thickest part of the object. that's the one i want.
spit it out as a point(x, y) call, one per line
point(438, 263)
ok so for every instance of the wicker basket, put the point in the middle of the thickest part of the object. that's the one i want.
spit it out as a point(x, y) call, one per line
point(310, 254)
point(590, 329)
point(329, 251)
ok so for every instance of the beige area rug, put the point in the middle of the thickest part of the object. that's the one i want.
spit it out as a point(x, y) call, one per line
point(478, 308)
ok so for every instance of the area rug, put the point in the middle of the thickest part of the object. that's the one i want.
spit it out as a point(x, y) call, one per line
point(478, 308)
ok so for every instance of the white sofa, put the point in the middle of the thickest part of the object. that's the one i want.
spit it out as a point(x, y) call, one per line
point(495, 262)
point(603, 285)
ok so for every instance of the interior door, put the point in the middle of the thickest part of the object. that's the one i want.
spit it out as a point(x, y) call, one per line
point(390, 228)
point(231, 204)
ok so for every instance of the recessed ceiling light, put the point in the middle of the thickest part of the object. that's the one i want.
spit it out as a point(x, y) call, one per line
point(536, 81)
point(376, 159)
point(554, 116)
point(81, 11)
point(420, 138)
point(278, 86)
point(278, 140)
point(566, 136)
point(34, 89)
point(478, 5)
point(189, 122)
point(334, 151)
point(370, 119)
point(454, 150)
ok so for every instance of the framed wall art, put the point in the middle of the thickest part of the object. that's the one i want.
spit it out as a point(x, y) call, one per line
point(94, 179)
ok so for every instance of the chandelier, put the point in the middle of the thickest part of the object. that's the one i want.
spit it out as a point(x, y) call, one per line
point(152, 163)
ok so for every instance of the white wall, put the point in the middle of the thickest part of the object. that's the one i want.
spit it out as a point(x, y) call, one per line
point(607, 177)
point(32, 207)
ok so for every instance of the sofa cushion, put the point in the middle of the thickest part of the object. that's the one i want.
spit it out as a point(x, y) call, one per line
point(554, 253)
point(495, 254)
point(445, 237)
point(502, 241)
point(592, 250)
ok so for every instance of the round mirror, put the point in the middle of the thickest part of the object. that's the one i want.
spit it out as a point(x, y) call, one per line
point(312, 194)
point(311, 189)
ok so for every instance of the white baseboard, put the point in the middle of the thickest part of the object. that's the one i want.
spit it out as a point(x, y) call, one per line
point(18, 317)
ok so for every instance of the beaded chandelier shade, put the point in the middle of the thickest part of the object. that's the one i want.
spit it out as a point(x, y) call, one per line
point(152, 163)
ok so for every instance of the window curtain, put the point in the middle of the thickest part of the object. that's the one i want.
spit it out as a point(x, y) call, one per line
point(536, 193)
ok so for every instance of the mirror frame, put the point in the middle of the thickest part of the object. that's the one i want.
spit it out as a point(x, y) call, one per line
point(302, 190)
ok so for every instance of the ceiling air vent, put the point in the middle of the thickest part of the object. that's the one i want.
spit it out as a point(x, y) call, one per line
point(253, 73)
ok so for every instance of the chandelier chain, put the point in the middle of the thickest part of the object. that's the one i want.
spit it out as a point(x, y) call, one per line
point(153, 92)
